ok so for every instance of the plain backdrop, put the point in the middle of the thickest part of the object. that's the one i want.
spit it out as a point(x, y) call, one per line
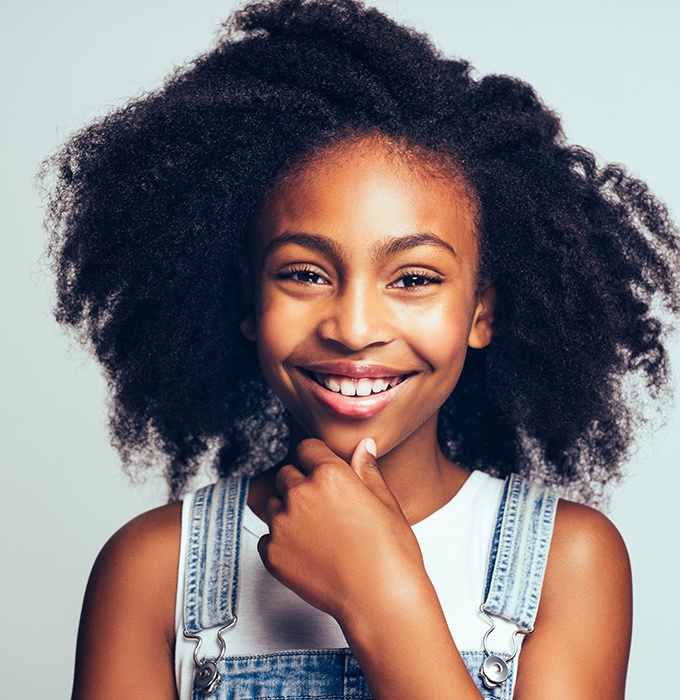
point(609, 67)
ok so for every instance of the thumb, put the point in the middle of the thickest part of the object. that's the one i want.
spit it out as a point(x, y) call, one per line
point(364, 462)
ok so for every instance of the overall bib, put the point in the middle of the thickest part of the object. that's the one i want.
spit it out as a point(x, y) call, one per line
point(516, 568)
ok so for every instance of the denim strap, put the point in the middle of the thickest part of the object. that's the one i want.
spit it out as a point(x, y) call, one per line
point(211, 577)
point(520, 551)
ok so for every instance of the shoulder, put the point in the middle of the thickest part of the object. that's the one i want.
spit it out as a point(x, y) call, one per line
point(140, 561)
point(588, 566)
point(157, 528)
point(128, 612)
point(585, 544)
point(582, 634)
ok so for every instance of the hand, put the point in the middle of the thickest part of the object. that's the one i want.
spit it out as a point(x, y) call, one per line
point(337, 536)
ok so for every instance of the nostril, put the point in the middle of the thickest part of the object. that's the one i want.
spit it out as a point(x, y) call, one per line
point(355, 329)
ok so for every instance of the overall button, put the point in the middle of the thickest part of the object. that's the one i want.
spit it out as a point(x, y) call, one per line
point(494, 670)
point(207, 678)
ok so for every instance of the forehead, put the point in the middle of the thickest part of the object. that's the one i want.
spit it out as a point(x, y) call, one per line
point(362, 192)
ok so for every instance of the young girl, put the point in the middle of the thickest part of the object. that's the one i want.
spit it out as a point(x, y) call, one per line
point(325, 215)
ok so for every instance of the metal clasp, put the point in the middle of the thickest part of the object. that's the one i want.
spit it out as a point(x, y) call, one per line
point(207, 677)
point(495, 670)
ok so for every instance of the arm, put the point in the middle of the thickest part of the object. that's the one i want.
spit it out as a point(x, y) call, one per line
point(344, 524)
point(126, 635)
point(582, 638)
point(580, 646)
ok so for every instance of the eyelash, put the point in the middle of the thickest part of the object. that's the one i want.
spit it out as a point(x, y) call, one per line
point(290, 273)
point(429, 276)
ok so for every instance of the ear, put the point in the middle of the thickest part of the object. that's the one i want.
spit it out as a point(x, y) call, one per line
point(481, 330)
point(248, 327)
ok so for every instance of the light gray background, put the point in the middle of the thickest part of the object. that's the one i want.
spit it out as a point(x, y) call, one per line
point(610, 67)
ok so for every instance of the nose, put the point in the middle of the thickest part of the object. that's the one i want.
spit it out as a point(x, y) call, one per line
point(356, 317)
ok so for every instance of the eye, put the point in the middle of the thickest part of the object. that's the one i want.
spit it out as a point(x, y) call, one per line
point(416, 278)
point(305, 275)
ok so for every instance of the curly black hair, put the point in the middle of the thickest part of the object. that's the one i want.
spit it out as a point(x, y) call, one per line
point(150, 210)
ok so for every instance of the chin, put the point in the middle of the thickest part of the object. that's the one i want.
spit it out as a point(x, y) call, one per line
point(342, 445)
point(343, 440)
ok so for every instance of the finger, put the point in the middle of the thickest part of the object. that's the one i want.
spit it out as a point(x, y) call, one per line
point(364, 462)
point(287, 477)
point(272, 507)
point(312, 452)
point(262, 548)
point(364, 458)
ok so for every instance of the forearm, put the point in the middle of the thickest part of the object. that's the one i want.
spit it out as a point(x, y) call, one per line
point(405, 649)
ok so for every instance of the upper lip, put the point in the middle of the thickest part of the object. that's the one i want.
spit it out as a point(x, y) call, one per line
point(354, 370)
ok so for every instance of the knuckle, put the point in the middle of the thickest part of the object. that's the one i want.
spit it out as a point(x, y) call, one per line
point(295, 494)
point(309, 447)
point(328, 472)
point(283, 476)
point(369, 464)
point(271, 505)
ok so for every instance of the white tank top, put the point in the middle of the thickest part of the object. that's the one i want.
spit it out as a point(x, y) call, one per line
point(455, 542)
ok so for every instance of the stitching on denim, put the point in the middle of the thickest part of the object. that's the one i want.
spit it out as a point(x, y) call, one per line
point(195, 558)
point(495, 539)
point(211, 578)
point(221, 577)
point(523, 544)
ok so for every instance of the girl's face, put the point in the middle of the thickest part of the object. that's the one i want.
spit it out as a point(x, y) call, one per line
point(365, 295)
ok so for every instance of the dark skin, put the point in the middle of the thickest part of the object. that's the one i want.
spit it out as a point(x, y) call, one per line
point(585, 600)
point(388, 254)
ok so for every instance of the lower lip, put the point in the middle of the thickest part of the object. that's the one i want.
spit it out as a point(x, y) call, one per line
point(353, 406)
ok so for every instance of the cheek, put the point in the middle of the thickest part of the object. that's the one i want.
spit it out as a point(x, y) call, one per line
point(271, 336)
point(279, 328)
point(441, 336)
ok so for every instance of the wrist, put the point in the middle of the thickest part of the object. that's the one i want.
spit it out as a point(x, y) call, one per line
point(387, 607)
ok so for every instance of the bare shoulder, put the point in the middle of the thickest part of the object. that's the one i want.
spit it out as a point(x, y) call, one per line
point(588, 571)
point(128, 612)
point(138, 565)
point(585, 542)
point(144, 543)
point(582, 635)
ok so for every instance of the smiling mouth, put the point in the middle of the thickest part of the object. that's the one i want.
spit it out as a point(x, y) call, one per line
point(359, 386)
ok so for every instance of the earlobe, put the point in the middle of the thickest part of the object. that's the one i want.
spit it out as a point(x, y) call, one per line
point(481, 331)
point(248, 328)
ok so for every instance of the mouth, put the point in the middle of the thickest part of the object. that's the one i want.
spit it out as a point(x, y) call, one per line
point(355, 386)
point(353, 390)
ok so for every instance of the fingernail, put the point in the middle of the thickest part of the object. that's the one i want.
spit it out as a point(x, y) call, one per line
point(371, 447)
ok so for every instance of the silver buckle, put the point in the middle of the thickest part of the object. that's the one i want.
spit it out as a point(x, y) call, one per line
point(495, 670)
point(206, 676)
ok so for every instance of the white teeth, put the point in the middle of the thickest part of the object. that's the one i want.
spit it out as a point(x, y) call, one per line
point(347, 387)
point(378, 386)
point(364, 387)
point(358, 387)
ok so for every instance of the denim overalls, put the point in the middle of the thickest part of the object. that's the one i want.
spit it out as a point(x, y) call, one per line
point(517, 562)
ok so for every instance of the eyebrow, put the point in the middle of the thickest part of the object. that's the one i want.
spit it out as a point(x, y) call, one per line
point(383, 249)
point(306, 240)
point(399, 244)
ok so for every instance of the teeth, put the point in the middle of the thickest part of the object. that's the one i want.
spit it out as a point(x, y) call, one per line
point(358, 387)
point(347, 387)
point(378, 386)
point(364, 387)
